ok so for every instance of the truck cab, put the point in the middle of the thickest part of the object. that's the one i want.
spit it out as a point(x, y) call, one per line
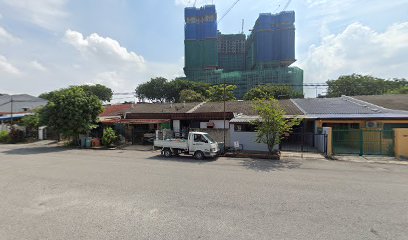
point(200, 143)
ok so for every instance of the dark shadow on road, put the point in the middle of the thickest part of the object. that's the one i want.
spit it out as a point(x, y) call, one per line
point(35, 150)
point(184, 159)
point(262, 165)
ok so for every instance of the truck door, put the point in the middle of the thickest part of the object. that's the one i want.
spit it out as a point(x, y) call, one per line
point(198, 143)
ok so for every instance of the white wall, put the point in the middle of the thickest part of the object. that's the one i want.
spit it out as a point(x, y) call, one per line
point(248, 141)
point(320, 140)
point(176, 125)
point(218, 124)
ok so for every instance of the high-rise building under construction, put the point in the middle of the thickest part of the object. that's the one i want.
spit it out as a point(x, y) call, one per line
point(263, 57)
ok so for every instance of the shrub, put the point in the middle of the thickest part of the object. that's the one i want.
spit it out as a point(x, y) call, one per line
point(109, 137)
point(4, 137)
point(16, 136)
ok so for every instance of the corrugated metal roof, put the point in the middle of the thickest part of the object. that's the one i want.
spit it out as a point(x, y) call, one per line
point(345, 108)
point(331, 106)
point(21, 103)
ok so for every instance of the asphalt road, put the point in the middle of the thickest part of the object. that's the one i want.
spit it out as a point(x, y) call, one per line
point(54, 193)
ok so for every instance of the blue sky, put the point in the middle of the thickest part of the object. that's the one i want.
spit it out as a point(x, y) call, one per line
point(50, 44)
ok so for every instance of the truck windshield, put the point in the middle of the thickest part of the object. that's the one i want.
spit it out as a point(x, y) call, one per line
point(210, 140)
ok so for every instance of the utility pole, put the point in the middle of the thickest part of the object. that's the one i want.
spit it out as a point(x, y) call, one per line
point(11, 111)
point(224, 115)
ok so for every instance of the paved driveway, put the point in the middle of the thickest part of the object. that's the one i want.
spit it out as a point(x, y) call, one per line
point(55, 193)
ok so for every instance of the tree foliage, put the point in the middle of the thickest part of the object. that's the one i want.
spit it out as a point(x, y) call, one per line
point(355, 84)
point(100, 91)
point(403, 90)
point(272, 124)
point(272, 91)
point(216, 93)
point(153, 90)
point(71, 111)
point(31, 121)
point(109, 137)
point(191, 96)
point(159, 89)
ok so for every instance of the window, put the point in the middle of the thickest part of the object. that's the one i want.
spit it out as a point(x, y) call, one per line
point(199, 138)
point(244, 127)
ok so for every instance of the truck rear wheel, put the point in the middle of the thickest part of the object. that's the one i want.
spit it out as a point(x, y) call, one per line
point(167, 153)
point(199, 155)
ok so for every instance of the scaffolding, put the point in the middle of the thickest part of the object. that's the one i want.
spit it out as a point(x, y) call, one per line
point(246, 80)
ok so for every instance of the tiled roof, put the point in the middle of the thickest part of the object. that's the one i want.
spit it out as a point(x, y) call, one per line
point(397, 101)
point(20, 103)
point(245, 107)
point(114, 110)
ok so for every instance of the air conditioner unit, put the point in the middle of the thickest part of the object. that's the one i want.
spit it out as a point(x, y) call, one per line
point(372, 124)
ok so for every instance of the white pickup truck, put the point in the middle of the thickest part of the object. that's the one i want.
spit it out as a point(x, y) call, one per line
point(198, 144)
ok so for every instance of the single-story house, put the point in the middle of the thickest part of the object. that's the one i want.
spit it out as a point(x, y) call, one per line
point(346, 116)
point(358, 127)
point(15, 107)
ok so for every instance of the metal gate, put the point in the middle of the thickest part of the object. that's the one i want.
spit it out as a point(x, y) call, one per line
point(305, 142)
point(363, 142)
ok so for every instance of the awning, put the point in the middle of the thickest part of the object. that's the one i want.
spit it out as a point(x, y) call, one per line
point(134, 121)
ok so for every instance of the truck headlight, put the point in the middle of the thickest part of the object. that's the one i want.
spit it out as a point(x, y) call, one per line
point(213, 149)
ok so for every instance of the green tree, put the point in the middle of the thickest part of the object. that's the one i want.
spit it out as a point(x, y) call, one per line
point(153, 90)
point(102, 92)
point(216, 93)
point(272, 124)
point(175, 87)
point(32, 122)
point(272, 91)
point(403, 90)
point(71, 111)
point(191, 96)
point(355, 84)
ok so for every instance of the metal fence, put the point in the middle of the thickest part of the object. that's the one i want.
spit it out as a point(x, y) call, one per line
point(305, 142)
point(363, 142)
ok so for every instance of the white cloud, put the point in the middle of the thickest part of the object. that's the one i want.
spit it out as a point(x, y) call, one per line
point(359, 49)
point(105, 61)
point(7, 37)
point(44, 13)
point(38, 66)
point(103, 50)
point(7, 67)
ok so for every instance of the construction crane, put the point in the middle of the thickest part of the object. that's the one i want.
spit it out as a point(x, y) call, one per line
point(229, 10)
point(287, 5)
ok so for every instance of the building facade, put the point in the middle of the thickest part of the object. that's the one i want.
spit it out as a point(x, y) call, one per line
point(263, 57)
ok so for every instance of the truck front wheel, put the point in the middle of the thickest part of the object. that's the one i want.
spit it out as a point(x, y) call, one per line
point(167, 153)
point(199, 155)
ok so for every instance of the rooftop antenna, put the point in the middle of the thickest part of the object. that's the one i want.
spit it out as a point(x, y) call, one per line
point(195, 2)
point(243, 23)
